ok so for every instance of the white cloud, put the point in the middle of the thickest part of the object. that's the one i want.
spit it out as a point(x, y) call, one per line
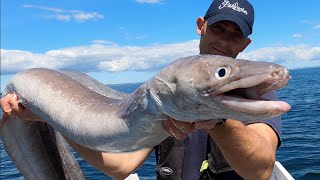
point(114, 58)
point(316, 26)
point(60, 17)
point(149, 1)
point(56, 10)
point(101, 41)
point(98, 57)
point(292, 56)
point(84, 16)
point(297, 35)
point(66, 15)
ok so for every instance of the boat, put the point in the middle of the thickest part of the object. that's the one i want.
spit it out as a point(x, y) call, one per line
point(280, 173)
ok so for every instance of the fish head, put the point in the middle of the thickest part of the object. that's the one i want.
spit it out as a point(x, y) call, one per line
point(212, 87)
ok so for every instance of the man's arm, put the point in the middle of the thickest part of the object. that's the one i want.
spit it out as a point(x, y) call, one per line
point(118, 166)
point(250, 150)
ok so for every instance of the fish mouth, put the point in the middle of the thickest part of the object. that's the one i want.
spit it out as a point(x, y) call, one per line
point(246, 95)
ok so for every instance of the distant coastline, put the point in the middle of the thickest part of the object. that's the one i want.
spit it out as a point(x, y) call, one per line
point(316, 67)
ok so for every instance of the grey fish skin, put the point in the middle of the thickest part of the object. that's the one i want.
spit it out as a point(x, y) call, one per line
point(189, 89)
point(38, 151)
point(93, 84)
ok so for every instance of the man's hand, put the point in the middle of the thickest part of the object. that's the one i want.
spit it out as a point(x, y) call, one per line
point(8, 102)
point(181, 129)
point(10, 106)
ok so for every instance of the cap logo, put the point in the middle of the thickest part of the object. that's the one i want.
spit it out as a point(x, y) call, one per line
point(233, 6)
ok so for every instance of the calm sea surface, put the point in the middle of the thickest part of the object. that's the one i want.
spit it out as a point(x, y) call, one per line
point(300, 149)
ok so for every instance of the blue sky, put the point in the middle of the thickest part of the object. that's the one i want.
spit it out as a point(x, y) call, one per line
point(120, 41)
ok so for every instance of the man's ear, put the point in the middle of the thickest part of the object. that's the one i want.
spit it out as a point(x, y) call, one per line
point(200, 24)
point(248, 41)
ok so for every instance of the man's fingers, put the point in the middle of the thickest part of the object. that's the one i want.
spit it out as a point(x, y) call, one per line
point(178, 129)
point(13, 101)
point(166, 127)
point(172, 131)
point(178, 134)
point(206, 124)
point(8, 103)
point(184, 127)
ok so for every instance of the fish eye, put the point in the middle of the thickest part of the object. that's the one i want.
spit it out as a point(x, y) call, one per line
point(221, 72)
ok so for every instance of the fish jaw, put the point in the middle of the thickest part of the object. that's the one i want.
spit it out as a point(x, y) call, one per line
point(247, 94)
point(259, 109)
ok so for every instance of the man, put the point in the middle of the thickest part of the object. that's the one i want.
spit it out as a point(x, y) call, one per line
point(248, 149)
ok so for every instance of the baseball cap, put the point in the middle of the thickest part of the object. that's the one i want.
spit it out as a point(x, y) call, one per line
point(238, 11)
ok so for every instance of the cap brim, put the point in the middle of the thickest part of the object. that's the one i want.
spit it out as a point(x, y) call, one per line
point(246, 31)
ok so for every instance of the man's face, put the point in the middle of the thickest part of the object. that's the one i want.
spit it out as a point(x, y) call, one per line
point(222, 38)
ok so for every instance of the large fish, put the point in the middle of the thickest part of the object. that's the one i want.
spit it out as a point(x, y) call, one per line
point(40, 152)
point(194, 88)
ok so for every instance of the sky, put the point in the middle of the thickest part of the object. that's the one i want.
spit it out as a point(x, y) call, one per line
point(125, 41)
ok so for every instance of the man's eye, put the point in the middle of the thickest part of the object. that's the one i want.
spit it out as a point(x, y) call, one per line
point(219, 29)
point(238, 36)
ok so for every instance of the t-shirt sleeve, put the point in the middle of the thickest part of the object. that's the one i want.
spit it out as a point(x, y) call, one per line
point(275, 122)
